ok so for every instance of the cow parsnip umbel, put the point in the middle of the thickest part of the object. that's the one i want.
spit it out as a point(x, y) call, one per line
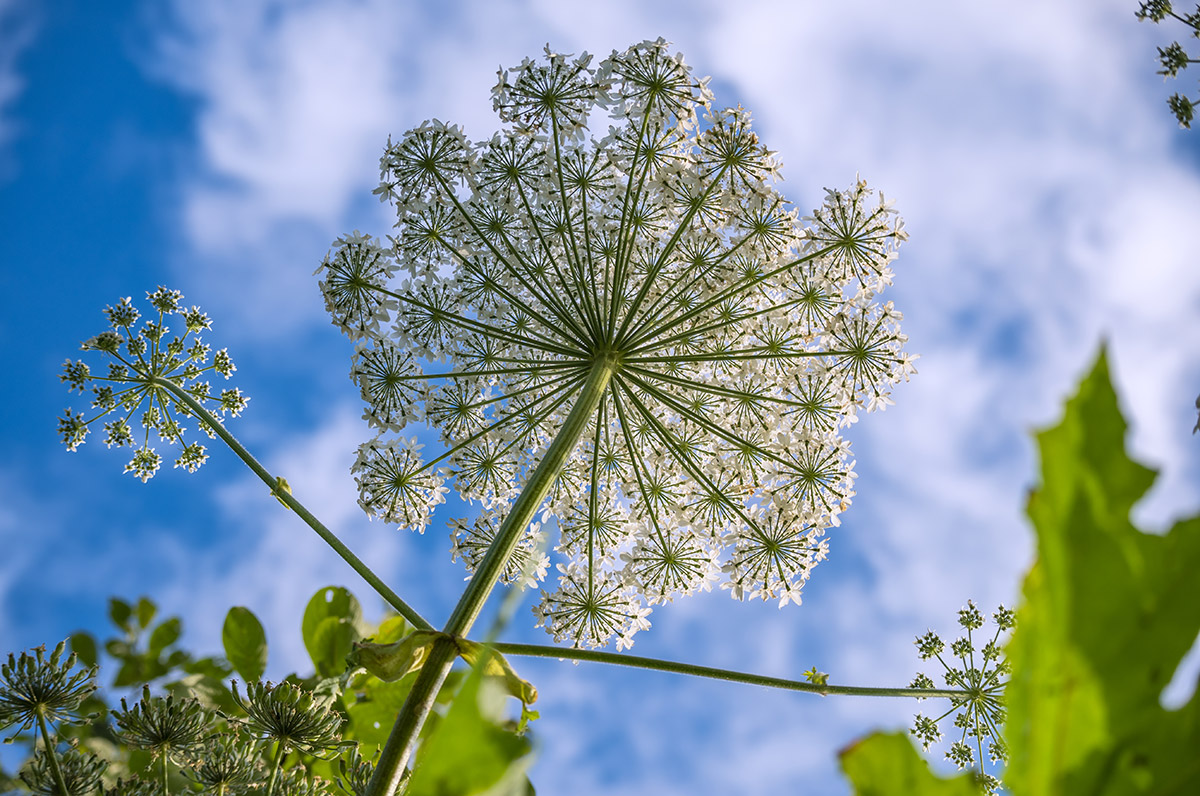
point(628, 331)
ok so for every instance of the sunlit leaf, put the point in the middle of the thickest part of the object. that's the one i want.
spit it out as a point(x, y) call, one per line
point(328, 642)
point(887, 764)
point(1109, 612)
point(470, 752)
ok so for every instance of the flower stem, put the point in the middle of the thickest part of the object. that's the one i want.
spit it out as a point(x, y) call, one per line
point(51, 755)
point(393, 599)
point(275, 767)
point(621, 659)
point(166, 791)
point(392, 761)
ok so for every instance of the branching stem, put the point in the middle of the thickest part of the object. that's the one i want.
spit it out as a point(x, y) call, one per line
point(655, 664)
point(331, 539)
point(389, 770)
point(52, 755)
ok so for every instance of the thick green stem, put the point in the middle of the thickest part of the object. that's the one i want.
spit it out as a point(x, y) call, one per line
point(285, 497)
point(620, 659)
point(275, 767)
point(51, 755)
point(392, 761)
point(165, 789)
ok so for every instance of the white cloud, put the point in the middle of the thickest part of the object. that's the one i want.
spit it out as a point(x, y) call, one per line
point(272, 563)
point(16, 33)
point(1030, 155)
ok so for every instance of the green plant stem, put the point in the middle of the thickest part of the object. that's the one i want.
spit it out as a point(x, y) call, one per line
point(275, 767)
point(285, 497)
point(51, 755)
point(620, 659)
point(166, 790)
point(389, 770)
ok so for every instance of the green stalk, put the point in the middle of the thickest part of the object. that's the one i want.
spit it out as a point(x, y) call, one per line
point(392, 761)
point(166, 790)
point(51, 755)
point(654, 664)
point(285, 497)
point(275, 767)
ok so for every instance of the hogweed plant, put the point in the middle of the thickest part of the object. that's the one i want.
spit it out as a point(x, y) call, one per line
point(982, 674)
point(634, 336)
point(635, 350)
point(1174, 58)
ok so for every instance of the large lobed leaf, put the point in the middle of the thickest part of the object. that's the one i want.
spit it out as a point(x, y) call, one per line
point(1108, 613)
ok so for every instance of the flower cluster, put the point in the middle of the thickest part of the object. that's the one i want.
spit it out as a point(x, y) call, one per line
point(979, 713)
point(163, 726)
point(154, 380)
point(732, 341)
point(291, 716)
point(1174, 58)
point(81, 772)
point(34, 687)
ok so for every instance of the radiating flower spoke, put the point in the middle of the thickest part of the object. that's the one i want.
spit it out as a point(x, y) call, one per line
point(734, 340)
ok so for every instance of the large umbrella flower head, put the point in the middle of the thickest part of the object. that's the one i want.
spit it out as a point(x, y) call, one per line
point(635, 336)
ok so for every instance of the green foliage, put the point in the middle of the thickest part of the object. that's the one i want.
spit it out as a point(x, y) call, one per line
point(202, 728)
point(392, 661)
point(245, 643)
point(471, 751)
point(1109, 612)
point(7, 781)
point(144, 653)
point(887, 764)
point(332, 623)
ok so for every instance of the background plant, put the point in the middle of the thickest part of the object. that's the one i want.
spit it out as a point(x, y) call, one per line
point(1086, 679)
point(1174, 58)
point(990, 143)
point(706, 346)
point(1108, 612)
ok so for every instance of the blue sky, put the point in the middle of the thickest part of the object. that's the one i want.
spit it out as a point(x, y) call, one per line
point(220, 147)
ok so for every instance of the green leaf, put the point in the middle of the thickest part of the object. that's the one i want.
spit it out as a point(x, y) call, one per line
point(887, 764)
point(392, 629)
point(372, 715)
point(84, 645)
point(212, 667)
point(145, 612)
point(327, 644)
point(1108, 613)
point(211, 692)
point(376, 704)
point(390, 662)
point(166, 634)
point(496, 665)
point(331, 642)
point(9, 783)
point(245, 643)
point(469, 753)
point(120, 612)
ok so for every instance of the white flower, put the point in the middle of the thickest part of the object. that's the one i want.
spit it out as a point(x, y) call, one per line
point(394, 485)
point(145, 364)
point(734, 342)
